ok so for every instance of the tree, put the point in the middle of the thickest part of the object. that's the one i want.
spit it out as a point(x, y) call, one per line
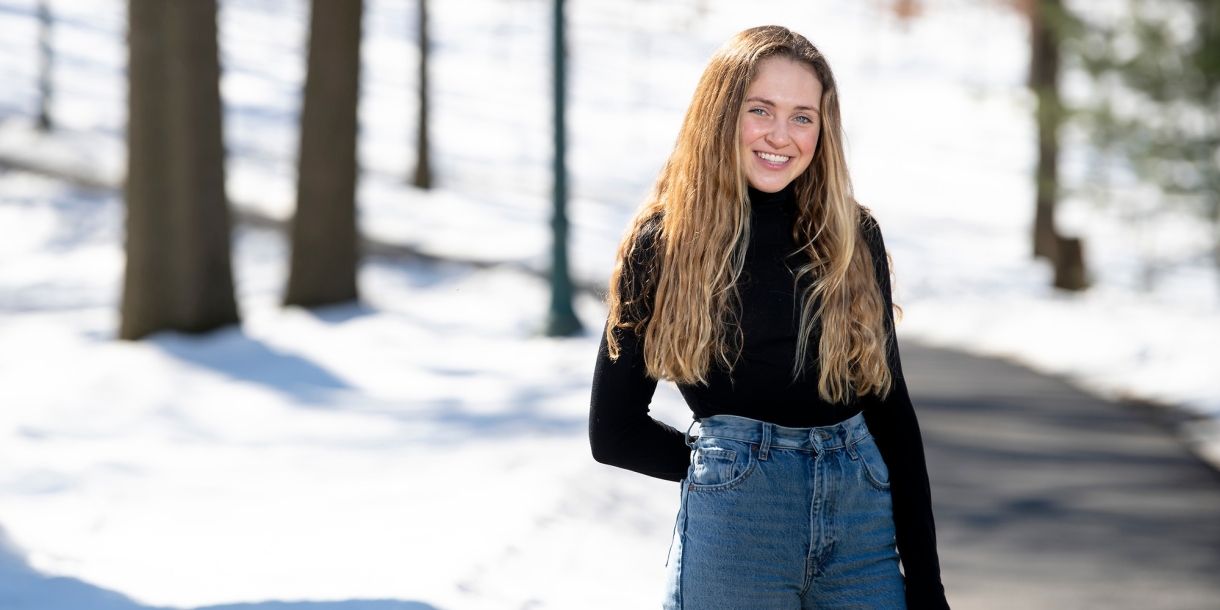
point(178, 274)
point(561, 320)
point(423, 167)
point(324, 234)
point(1158, 112)
point(1049, 24)
point(44, 66)
point(1044, 81)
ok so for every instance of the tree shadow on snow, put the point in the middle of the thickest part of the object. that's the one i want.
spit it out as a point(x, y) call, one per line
point(24, 588)
point(355, 604)
point(232, 353)
point(338, 314)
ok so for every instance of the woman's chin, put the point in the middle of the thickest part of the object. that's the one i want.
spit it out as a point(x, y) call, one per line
point(769, 184)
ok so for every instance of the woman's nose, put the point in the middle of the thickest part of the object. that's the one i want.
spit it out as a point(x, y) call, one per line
point(778, 136)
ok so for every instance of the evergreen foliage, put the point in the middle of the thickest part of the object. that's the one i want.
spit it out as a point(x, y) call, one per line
point(1155, 112)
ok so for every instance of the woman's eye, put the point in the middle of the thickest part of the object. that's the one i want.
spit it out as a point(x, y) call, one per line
point(758, 111)
point(804, 119)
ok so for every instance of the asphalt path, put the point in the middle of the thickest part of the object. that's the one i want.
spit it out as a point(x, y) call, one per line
point(1047, 497)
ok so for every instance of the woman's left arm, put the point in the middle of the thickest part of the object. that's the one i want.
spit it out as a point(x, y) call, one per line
point(895, 429)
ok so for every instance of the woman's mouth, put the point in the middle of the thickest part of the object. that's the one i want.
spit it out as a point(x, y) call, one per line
point(772, 159)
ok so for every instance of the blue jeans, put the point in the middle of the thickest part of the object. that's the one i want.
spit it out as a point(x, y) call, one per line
point(777, 518)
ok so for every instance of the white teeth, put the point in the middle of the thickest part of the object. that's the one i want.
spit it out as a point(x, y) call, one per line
point(772, 158)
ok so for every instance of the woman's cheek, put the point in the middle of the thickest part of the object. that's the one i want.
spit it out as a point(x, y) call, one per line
point(810, 141)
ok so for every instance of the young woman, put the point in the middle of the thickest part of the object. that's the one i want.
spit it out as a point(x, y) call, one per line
point(753, 280)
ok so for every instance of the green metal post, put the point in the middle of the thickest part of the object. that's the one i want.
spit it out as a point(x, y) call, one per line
point(561, 321)
point(44, 68)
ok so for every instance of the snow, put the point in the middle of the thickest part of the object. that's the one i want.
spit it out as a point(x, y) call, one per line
point(428, 445)
point(412, 447)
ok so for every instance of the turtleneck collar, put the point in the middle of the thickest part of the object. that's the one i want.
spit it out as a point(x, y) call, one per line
point(759, 198)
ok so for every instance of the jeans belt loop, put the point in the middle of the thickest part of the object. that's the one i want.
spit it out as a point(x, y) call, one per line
point(690, 440)
point(765, 448)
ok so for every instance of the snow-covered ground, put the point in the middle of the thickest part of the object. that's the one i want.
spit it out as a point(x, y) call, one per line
point(428, 445)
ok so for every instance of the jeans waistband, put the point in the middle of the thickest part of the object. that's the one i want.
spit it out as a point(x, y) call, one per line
point(820, 438)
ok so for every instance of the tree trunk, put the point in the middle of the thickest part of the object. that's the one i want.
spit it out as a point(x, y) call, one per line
point(1069, 264)
point(1216, 248)
point(44, 66)
point(1044, 81)
point(178, 273)
point(1215, 218)
point(1047, 18)
point(423, 166)
point(561, 319)
point(324, 238)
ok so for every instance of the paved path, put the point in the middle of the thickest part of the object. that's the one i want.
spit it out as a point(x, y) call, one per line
point(1047, 498)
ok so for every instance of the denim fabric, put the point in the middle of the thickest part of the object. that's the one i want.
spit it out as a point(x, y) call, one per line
point(784, 518)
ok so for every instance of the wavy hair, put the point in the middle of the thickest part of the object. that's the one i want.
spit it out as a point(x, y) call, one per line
point(689, 238)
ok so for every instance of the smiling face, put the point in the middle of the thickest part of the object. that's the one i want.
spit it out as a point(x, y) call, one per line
point(780, 122)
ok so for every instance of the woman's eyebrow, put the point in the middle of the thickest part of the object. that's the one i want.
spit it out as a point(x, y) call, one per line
point(768, 102)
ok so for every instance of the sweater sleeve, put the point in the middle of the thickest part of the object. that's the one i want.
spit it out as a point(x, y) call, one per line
point(621, 432)
point(895, 429)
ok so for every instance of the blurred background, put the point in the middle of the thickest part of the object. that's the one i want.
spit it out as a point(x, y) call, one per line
point(293, 306)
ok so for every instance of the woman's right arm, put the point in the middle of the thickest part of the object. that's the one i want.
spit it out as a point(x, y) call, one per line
point(621, 432)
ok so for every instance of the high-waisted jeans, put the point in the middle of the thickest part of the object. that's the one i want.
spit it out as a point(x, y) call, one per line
point(777, 518)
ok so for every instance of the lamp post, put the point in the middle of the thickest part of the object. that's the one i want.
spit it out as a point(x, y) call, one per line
point(561, 320)
point(44, 68)
point(423, 167)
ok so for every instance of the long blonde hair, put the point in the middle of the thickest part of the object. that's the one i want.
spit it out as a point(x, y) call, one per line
point(689, 238)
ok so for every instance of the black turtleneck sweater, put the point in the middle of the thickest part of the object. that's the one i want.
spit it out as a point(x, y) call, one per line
point(761, 387)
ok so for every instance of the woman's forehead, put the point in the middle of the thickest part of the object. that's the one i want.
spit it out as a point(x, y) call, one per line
point(780, 80)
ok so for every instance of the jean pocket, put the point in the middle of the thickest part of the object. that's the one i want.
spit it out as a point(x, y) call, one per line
point(875, 470)
point(719, 467)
